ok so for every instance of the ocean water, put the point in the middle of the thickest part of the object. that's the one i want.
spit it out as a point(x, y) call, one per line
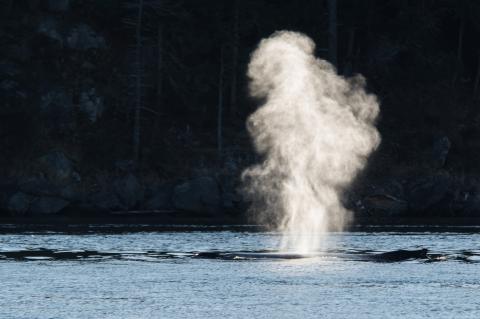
point(237, 274)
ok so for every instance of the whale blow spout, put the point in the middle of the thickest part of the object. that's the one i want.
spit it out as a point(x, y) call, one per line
point(313, 134)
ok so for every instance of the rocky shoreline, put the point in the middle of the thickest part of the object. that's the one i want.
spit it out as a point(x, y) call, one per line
point(56, 191)
point(55, 187)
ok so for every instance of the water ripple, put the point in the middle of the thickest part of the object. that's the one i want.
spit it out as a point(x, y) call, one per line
point(400, 255)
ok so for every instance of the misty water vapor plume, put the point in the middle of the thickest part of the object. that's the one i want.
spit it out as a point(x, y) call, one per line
point(314, 133)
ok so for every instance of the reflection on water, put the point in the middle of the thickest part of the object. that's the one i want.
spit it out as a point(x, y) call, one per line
point(205, 274)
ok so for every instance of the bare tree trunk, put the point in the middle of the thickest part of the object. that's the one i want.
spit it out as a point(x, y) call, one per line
point(138, 84)
point(159, 84)
point(367, 43)
point(160, 64)
point(477, 80)
point(332, 31)
point(458, 67)
point(220, 108)
point(233, 84)
point(351, 43)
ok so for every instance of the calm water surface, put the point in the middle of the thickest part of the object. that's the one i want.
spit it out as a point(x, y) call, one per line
point(161, 275)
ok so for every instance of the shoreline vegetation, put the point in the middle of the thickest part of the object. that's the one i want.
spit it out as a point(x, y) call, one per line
point(101, 117)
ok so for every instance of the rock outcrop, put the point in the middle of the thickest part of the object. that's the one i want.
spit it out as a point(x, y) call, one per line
point(198, 195)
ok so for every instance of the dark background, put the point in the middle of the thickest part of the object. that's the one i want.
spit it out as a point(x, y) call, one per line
point(114, 105)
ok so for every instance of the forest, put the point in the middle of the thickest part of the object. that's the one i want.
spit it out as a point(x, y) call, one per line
point(110, 107)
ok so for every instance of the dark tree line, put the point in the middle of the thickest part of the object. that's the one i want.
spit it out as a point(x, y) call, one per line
point(162, 82)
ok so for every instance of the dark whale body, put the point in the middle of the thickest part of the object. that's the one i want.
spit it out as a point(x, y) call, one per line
point(400, 255)
point(247, 255)
point(391, 256)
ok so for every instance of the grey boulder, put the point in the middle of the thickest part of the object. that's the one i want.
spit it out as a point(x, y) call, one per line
point(47, 205)
point(159, 198)
point(57, 168)
point(424, 192)
point(104, 200)
point(385, 204)
point(128, 190)
point(198, 195)
point(19, 203)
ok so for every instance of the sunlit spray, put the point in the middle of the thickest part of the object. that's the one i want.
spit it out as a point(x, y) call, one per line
point(313, 133)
